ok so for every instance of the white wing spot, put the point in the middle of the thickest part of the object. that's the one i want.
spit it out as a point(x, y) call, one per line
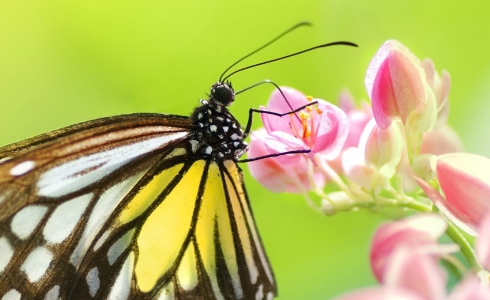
point(93, 281)
point(13, 294)
point(26, 220)
point(119, 246)
point(167, 292)
point(65, 218)
point(36, 263)
point(260, 293)
point(22, 168)
point(53, 294)
point(108, 201)
point(122, 285)
point(270, 296)
point(226, 128)
point(209, 150)
point(4, 159)
point(234, 136)
point(199, 116)
point(7, 253)
point(213, 128)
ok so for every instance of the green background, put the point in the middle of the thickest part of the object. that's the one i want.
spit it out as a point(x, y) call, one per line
point(63, 62)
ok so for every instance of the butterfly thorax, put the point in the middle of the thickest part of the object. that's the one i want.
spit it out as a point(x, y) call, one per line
point(217, 135)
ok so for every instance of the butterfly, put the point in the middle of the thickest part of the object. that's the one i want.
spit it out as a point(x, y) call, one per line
point(138, 206)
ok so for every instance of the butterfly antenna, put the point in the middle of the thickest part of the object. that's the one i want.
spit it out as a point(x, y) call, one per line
point(344, 43)
point(300, 24)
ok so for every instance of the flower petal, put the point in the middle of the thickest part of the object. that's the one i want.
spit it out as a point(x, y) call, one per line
point(465, 180)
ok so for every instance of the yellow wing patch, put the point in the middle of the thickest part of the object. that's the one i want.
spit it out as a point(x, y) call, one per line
point(163, 234)
point(147, 194)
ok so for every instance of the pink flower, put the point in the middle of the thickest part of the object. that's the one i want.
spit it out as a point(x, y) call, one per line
point(276, 176)
point(323, 128)
point(398, 88)
point(373, 162)
point(417, 232)
point(358, 118)
point(441, 140)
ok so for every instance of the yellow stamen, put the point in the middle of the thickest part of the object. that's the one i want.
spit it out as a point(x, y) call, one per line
point(309, 98)
point(305, 118)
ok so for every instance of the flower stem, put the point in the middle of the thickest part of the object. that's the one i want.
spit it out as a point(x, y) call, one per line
point(453, 232)
point(416, 205)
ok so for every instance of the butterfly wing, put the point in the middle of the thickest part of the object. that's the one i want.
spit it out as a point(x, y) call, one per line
point(117, 209)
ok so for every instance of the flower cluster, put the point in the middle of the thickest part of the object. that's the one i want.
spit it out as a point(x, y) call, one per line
point(397, 152)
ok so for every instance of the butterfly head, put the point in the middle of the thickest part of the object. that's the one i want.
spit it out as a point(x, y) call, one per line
point(222, 93)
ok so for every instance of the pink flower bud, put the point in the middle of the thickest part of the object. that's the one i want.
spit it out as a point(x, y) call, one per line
point(465, 180)
point(382, 147)
point(355, 168)
point(397, 86)
point(440, 87)
point(443, 139)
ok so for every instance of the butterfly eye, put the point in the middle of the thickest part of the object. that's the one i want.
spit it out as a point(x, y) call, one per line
point(222, 93)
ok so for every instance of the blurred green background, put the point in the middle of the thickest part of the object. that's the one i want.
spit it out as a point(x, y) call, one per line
point(63, 62)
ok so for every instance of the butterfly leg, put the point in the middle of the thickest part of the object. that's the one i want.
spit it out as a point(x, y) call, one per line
point(264, 111)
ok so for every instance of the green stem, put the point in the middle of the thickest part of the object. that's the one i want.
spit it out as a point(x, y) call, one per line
point(415, 205)
point(453, 232)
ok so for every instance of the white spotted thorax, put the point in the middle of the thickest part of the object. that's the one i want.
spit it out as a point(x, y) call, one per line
point(217, 134)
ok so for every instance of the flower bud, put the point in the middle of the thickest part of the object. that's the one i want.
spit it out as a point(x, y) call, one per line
point(397, 86)
point(421, 230)
point(381, 147)
point(465, 180)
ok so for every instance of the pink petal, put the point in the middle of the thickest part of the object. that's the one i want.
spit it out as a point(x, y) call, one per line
point(470, 289)
point(396, 84)
point(416, 272)
point(346, 101)
point(440, 141)
point(381, 147)
point(441, 203)
point(278, 104)
point(281, 142)
point(482, 246)
point(415, 231)
point(465, 180)
point(331, 132)
point(355, 168)
point(380, 293)
point(276, 176)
